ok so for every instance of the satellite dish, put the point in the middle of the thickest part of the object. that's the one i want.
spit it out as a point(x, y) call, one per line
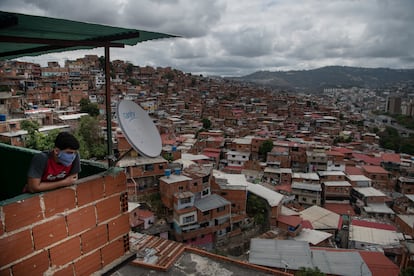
point(139, 129)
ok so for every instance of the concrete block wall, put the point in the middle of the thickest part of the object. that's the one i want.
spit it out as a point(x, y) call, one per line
point(76, 230)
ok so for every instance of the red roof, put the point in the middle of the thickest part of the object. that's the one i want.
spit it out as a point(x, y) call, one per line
point(334, 153)
point(342, 150)
point(233, 168)
point(391, 157)
point(290, 220)
point(351, 170)
point(307, 224)
point(376, 225)
point(280, 149)
point(340, 209)
point(369, 160)
point(379, 264)
point(145, 214)
point(374, 169)
point(285, 187)
point(211, 154)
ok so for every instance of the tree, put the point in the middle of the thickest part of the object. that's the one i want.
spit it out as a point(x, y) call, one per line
point(91, 140)
point(407, 271)
point(256, 207)
point(87, 107)
point(265, 147)
point(129, 69)
point(36, 139)
point(206, 123)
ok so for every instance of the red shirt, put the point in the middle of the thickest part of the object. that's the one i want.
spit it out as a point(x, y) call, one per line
point(55, 171)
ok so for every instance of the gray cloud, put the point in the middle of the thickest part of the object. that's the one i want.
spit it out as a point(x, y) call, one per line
point(229, 37)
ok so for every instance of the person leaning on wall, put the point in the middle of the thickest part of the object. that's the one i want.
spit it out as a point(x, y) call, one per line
point(56, 168)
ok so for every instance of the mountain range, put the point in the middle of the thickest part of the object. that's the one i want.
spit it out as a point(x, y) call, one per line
point(316, 80)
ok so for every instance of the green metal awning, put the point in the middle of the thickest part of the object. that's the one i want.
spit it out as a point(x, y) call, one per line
point(28, 35)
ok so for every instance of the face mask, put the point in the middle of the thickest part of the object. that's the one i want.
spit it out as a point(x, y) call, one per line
point(66, 158)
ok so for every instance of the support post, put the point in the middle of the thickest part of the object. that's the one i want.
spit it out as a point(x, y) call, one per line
point(108, 107)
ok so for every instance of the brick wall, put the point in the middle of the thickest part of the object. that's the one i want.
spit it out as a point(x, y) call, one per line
point(76, 230)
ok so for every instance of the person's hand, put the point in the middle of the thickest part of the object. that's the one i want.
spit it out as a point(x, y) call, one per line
point(70, 179)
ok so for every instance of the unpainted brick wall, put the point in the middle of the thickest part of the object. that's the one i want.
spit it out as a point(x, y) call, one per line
point(76, 230)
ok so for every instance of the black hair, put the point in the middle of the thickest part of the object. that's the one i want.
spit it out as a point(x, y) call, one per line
point(65, 140)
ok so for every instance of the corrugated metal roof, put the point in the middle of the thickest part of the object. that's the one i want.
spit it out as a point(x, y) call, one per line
point(272, 197)
point(321, 218)
point(28, 35)
point(357, 177)
point(280, 253)
point(381, 208)
point(369, 191)
point(311, 236)
point(408, 219)
point(410, 197)
point(306, 186)
point(210, 202)
point(310, 176)
point(327, 173)
point(340, 263)
point(337, 183)
point(374, 236)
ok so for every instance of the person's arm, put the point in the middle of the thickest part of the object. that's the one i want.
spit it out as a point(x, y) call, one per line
point(35, 185)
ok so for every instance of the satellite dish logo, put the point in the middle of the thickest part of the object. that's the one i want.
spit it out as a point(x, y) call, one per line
point(130, 115)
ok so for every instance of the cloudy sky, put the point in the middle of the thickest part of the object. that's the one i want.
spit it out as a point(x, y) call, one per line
point(239, 37)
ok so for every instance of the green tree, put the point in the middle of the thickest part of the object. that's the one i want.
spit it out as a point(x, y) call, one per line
point(91, 140)
point(206, 123)
point(129, 69)
point(87, 107)
point(308, 271)
point(409, 271)
point(256, 207)
point(390, 139)
point(36, 139)
point(265, 147)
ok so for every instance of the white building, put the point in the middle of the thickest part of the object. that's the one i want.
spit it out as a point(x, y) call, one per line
point(237, 158)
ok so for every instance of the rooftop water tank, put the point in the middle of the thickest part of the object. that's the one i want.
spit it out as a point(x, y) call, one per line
point(167, 172)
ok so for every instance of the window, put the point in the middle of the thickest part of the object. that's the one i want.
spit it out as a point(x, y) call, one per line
point(180, 188)
point(188, 219)
point(195, 183)
point(185, 200)
point(149, 167)
point(161, 166)
point(220, 209)
point(205, 213)
point(205, 192)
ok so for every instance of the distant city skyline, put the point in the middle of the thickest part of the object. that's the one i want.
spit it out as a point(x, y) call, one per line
point(237, 38)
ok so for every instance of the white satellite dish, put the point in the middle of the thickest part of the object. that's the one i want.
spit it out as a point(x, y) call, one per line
point(139, 129)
